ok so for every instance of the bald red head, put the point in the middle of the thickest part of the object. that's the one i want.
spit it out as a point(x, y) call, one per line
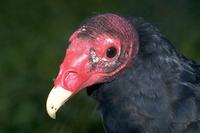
point(99, 50)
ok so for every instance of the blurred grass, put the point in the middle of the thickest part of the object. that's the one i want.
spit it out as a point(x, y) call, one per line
point(33, 39)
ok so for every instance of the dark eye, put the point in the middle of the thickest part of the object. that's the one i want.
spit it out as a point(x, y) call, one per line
point(111, 52)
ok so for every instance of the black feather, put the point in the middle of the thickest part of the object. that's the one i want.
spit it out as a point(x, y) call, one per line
point(158, 93)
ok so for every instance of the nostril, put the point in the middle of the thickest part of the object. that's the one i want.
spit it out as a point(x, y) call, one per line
point(70, 75)
point(72, 72)
point(69, 80)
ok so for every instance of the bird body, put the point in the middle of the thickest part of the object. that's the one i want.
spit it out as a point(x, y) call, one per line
point(157, 91)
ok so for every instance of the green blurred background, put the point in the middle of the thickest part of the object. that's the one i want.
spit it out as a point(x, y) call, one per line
point(33, 40)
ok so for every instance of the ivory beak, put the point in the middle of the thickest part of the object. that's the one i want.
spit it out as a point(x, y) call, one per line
point(57, 97)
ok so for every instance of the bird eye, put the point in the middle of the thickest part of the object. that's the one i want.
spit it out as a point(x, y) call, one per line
point(111, 52)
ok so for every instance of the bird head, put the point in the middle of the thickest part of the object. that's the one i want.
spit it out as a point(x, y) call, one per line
point(98, 51)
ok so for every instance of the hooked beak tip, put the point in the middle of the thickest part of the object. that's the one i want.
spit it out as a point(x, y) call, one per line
point(57, 97)
point(52, 111)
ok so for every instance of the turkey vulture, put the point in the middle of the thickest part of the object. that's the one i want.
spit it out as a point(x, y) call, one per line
point(141, 83)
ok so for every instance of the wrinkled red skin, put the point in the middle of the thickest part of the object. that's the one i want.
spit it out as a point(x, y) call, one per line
point(76, 71)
